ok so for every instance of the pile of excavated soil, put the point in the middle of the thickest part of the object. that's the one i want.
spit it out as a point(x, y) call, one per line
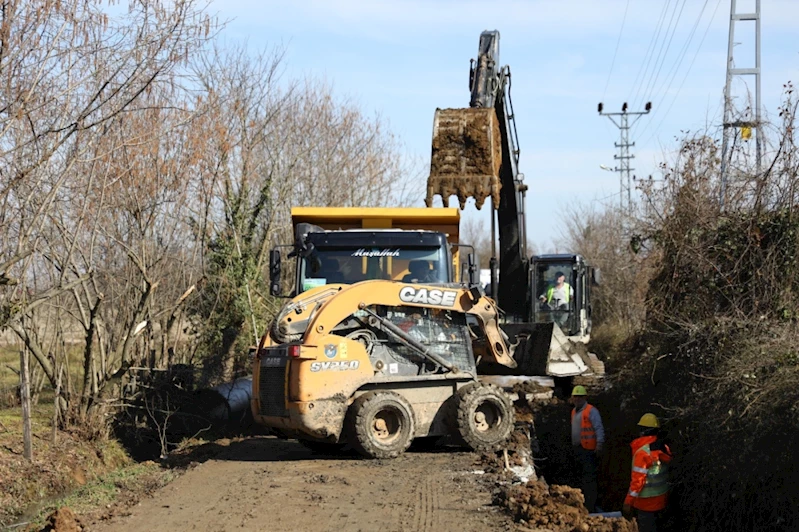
point(63, 520)
point(518, 451)
point(557, 509)
point(536, 505)
point(466, 156)
point(529, 387)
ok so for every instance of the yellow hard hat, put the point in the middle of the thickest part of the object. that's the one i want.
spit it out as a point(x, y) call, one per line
point(650, 421)
point(579, 390)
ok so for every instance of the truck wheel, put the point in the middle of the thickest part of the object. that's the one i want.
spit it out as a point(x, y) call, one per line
point(382, 424)
point(485, 416)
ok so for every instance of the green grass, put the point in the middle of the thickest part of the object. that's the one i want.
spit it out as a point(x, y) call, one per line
point(9, 380)
point(9, 356)
point(103, 491)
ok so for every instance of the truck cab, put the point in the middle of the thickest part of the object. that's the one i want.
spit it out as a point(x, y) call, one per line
point(342, 245)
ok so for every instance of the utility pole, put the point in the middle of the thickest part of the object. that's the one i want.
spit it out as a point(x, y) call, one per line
point(624, 124)
point(731, 122)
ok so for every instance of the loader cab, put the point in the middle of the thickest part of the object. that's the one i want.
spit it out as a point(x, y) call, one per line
point(568, 304)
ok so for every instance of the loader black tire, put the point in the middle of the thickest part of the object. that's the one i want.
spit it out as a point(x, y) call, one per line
point(382, 424)
point(485, 416)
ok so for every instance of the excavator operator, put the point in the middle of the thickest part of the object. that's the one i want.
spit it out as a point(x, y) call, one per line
point(558, 295)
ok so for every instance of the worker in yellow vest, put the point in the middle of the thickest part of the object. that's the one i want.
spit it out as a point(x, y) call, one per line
point(588, 439)
point(557, 299)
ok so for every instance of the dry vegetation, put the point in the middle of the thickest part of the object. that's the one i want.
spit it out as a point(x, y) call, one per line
point(146, 173)
point(711, 299)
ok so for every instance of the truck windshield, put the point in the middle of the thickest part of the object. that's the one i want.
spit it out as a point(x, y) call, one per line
point(350, 265)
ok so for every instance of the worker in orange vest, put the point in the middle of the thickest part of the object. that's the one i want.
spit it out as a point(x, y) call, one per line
point(588, 438)
point(649, 484)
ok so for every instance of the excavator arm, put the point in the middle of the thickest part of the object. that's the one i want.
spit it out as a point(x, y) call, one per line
point(475, 154)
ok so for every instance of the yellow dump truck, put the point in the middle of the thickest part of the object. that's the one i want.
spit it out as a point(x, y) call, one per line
point(345, 245)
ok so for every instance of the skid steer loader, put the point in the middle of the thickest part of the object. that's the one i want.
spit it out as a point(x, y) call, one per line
point(379, 363)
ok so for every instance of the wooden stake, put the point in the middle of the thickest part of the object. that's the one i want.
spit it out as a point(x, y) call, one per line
point(57, 404)
point(25, 396)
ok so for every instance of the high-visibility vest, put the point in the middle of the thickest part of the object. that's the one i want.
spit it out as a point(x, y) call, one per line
point(649, 483)
point(656, 476)
point(587, 432)
point(566, 288)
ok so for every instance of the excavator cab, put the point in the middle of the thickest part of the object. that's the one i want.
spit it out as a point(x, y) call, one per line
point(566, 303)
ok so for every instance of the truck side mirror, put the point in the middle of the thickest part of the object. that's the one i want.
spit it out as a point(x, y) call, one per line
point(596, 277)
point(274, 272)
point(472, 270)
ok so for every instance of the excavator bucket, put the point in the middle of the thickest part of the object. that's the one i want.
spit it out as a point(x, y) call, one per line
point(466, 156)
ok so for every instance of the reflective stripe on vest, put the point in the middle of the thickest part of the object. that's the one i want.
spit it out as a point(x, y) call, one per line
point(566, 289)
point(587, 432)
point(656, 477)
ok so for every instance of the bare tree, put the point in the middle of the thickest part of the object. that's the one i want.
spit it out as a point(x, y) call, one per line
point(277, 144)
point(605, 241)
point(71, 74)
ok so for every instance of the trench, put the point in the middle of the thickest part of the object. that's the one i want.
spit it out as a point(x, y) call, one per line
point(554, 458)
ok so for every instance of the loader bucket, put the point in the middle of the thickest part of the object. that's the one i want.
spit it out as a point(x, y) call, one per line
point(466, 156)
point(543, 349)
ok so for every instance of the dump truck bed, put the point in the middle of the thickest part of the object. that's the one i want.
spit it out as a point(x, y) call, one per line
point(445, 221)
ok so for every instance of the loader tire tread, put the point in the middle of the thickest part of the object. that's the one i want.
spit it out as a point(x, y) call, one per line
point(381, 424)
point(484, 416)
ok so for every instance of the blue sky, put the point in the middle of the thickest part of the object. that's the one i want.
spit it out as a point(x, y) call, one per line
point(403, 59)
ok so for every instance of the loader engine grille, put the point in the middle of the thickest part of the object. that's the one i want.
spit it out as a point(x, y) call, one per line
point(272, 382)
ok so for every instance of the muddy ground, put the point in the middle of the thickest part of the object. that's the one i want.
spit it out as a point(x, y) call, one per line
point(262, 483)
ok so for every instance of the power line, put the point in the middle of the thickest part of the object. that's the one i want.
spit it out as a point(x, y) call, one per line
point(660, 93)
point(675, 67)
point(648, 48)
point(687, 72)
point(616, 51)
point(659, 53)
point(665, 54)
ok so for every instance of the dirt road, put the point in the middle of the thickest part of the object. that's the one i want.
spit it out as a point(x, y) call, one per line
point(267, 484)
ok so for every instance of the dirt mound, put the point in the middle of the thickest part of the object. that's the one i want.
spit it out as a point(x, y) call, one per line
point(518, 453)
point(557, 509)
point(63, 520)
point(529, 387)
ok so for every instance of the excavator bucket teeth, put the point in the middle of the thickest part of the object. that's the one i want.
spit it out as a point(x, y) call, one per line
point(466, 156)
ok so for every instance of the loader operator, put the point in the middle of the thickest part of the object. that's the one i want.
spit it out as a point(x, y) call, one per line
point(649, 483)
point(588, 438)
